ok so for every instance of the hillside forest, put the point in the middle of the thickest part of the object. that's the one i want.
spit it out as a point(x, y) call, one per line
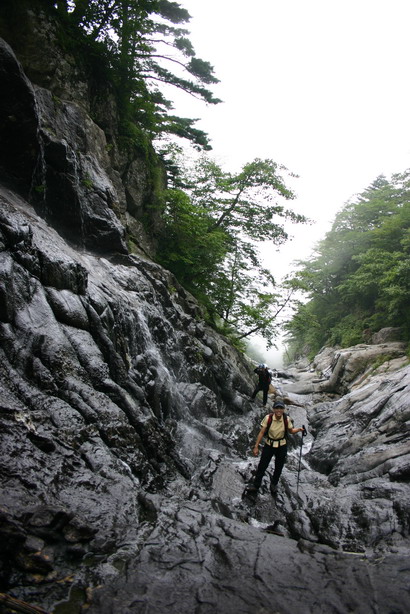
point(358, 279)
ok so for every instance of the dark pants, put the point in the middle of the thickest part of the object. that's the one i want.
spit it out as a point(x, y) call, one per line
point(265, 392)
point(280, 454)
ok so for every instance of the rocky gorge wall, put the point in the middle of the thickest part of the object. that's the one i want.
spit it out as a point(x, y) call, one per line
point(60, 145)
point(126, 422)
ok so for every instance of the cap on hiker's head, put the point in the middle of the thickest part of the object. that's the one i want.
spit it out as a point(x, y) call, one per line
point(279, 405)
point(261, 365)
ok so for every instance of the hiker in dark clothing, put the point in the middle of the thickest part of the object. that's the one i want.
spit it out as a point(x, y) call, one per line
point(276, 445)
point(265, 378)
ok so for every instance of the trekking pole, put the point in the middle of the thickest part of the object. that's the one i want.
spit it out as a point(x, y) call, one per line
point(304, 432)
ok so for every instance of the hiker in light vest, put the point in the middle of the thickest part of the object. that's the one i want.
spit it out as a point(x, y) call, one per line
point(265, 378)
point(275, 445)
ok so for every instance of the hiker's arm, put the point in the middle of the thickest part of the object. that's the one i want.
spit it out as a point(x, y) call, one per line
point(258, 440)
point(294, 431)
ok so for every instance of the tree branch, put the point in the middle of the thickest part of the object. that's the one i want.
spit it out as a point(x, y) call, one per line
point(20, 606)
point(227, 211)
point(255, 330)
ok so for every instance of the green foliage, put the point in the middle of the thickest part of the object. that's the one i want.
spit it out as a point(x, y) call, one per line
point(304, 333)
point(188, 246)
point(249, 202)
point(184, 128)
point(212, 227)
point(131, 136)
point(359, 277)
point(136, 45)
point(40, 189)
point(87, 182)
point(347, 331)
point(381, 360)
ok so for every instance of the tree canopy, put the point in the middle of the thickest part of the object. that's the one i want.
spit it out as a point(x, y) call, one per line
point(358, 279)
point(214, 221)
point(144, 44)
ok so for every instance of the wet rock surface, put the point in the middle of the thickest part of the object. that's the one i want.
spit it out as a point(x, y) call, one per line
point(64, 163)
point(126, 429)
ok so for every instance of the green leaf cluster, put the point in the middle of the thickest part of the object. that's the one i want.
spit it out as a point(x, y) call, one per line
point(136, 46)
point(358, 279)
point(188, 245)
point(213, 222)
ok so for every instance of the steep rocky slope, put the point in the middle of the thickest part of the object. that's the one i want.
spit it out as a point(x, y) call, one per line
point(126, 423)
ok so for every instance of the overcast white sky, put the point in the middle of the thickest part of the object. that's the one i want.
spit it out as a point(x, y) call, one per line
point(321, 86)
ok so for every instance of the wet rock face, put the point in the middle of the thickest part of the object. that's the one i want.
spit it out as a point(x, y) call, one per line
point(104, 367)
point(74, 192)
point(218, 565)
point(58, 158)
point(126, 430)
point(19, 146)
point(362, 446)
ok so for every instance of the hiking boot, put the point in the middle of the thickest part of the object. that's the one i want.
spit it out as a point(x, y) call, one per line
point(251, 488)
point(250, 493)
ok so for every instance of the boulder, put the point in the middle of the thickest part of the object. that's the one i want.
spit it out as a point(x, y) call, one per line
point(386, 335)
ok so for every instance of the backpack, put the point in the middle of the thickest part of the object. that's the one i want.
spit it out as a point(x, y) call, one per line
point(265, 377)
point(285, 420)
